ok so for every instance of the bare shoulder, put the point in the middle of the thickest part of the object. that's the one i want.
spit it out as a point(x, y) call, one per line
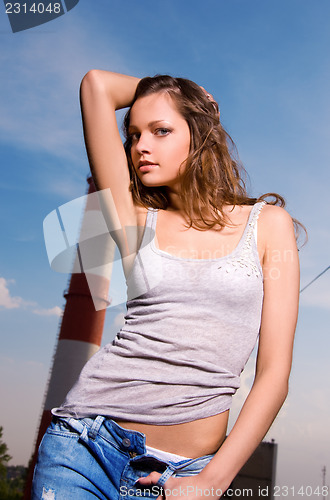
point(275, 213)
point(275, 221)
point(276, 234)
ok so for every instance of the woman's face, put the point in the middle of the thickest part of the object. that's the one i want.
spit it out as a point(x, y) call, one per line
point(160, 140)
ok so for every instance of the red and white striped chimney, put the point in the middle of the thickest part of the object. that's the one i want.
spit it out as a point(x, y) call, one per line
point(80, 335)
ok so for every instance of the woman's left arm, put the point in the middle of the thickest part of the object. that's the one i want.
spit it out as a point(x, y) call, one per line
point(278, 323)
point(270, 387)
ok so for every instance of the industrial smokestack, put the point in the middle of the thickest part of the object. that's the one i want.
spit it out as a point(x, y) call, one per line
point(80, 336)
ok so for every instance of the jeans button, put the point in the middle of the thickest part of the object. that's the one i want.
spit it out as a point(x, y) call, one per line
point(126, 442)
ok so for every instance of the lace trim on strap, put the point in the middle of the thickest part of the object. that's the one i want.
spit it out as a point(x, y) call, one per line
point(246, 259)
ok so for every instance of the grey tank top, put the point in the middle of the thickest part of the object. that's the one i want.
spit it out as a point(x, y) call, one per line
point(190, 327)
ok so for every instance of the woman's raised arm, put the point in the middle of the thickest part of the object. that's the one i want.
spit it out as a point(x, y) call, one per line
point(101, 94)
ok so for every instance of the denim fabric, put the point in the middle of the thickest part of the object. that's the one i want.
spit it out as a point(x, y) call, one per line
point(96, 458)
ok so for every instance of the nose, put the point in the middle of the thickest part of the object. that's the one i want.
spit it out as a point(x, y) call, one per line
point(143, 144)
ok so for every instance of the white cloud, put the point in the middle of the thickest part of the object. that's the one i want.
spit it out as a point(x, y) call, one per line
point(6, 300)
point(54, 311)
point(9, 302)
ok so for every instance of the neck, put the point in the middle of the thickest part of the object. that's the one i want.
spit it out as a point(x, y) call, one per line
point(174, 201)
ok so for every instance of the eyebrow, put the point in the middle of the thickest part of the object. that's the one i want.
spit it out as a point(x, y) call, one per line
point(150, 124)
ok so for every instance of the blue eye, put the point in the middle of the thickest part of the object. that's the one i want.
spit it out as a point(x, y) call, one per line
point(162, 131)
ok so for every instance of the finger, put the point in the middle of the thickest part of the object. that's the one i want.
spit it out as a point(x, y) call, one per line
point(152, 478)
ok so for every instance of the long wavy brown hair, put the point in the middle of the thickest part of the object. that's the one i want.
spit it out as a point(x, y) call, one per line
point(213, 176)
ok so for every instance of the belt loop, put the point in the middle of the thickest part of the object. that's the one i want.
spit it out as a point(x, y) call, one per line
point(96, 427)
point(169, 471)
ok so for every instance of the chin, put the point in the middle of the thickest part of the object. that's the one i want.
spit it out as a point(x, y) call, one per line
point(152, 184)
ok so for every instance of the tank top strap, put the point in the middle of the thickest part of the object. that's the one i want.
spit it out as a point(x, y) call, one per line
point(151, 219)
point(150, 227)
point(247, 236)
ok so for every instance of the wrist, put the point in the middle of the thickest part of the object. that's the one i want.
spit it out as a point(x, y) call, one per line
point(214, 481)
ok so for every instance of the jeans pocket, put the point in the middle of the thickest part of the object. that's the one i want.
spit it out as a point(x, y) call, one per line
point(60, 426)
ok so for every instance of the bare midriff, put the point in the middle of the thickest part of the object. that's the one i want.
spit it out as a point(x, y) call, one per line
point(190, 439)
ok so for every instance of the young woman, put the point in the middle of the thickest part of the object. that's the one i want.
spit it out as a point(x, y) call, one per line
point(211, 270)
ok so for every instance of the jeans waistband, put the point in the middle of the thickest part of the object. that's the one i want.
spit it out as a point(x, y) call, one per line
point(127, 440)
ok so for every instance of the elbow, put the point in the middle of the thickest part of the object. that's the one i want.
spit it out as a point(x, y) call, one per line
point(280, 387)
point(283, 389)
point(92, 80)
point(91, 75)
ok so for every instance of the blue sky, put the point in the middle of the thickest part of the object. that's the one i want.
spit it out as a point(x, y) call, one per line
point(268, 65)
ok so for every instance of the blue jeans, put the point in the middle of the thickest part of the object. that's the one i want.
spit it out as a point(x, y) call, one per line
point(96, 458)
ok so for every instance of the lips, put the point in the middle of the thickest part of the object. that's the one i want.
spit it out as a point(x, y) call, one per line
point(145, 166)
point(142, 163)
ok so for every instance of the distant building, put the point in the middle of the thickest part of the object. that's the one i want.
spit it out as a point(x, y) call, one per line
point(257, 478)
